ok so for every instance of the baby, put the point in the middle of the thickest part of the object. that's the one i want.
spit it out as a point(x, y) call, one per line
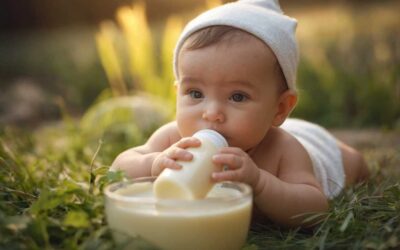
point(235, 69)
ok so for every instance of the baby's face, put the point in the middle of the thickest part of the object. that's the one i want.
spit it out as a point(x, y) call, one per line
point(229, 87)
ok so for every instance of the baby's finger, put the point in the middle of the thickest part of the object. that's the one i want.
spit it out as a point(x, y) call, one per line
point(179, 154)
point(188, 142)
point(226, 176)
point(231, 150)
point(162, 164)
point(169, 163)
point(230, 160)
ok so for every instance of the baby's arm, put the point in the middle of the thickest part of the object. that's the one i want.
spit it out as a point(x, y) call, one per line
point(294, 191)
point(161, 151)
point(284, 202)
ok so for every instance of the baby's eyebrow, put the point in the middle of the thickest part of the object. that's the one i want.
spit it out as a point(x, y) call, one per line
point(236, 83)
point(243, 83)
point(188, 79)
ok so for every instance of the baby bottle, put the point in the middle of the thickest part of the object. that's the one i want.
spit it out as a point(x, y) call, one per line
point(193, 181)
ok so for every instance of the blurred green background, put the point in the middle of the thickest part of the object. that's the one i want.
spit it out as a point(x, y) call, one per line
point(62, 58)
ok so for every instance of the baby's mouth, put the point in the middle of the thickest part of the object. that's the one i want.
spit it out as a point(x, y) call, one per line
point(227, 138)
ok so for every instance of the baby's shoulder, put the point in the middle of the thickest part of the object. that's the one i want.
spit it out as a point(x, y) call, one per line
point(284, 149)
point(165, 136)
point(273, 150)
point(294, 164)
point(288, 145)
point(170, 129)
point(279, 140)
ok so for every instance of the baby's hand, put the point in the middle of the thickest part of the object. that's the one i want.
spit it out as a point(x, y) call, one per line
point(240, 166)
point(176, 152)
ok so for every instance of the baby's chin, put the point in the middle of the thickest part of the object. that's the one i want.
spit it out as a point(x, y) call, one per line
point(235, 144)
point(246, 146)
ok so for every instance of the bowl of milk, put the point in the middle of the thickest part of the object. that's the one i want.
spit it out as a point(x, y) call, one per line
point(139, 220)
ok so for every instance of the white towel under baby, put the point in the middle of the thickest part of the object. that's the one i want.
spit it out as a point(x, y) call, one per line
point(324, 152)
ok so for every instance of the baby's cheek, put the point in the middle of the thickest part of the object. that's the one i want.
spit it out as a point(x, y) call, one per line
point(251, 133)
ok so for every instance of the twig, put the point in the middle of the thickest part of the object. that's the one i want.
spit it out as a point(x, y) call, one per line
point(7, 189)
point(91, 177)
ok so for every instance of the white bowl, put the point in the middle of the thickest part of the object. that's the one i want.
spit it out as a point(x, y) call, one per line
point(137, 219)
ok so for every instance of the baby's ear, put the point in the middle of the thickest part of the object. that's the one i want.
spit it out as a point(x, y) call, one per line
point(286, 102)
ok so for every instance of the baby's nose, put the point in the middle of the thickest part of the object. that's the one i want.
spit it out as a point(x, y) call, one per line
point(213, 113)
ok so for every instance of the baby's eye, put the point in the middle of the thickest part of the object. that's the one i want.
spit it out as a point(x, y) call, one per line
point(195, 94)
point(238, 97)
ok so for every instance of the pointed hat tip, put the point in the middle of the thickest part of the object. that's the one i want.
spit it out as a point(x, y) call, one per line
point(269, 4)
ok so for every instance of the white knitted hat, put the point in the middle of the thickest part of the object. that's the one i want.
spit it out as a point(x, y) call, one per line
point(262, 18)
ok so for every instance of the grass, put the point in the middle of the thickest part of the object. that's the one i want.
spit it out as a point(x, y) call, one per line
point(52, 180)
point(366, 216)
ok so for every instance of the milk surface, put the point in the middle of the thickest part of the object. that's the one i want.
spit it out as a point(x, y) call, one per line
point(209, 223)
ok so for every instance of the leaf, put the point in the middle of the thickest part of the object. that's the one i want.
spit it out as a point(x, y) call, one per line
point(322, 239)
point(39, 231)
point(114, 176)
point(101, 170)
point(78, 219)
point(68, 186)
point(346, 221)
point(315, 218)
point(46, 201)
